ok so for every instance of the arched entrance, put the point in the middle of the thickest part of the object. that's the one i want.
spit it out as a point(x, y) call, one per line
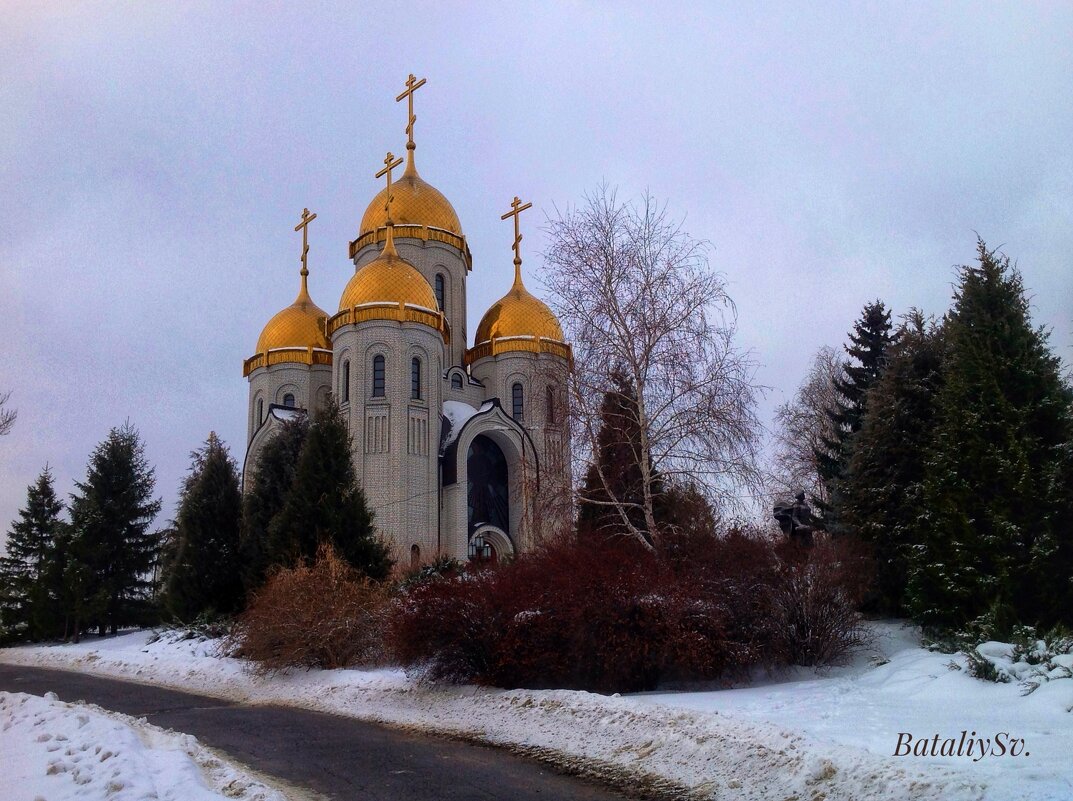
point(488, 494)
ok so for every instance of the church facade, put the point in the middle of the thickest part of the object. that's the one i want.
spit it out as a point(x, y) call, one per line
point(461, 450)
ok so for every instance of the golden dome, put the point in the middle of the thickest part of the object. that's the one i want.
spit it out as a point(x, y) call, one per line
point(388, 278)
point(414, 202)
point(519, 314)
point(300, 325)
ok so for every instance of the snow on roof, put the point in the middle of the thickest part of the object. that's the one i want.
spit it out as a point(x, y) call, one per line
point(286, 413)
point(458, 413)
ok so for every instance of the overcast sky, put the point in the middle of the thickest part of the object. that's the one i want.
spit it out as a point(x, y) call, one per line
point(155, 157)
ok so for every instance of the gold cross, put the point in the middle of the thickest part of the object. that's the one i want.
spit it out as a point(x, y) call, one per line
point(307, 218)
point(516, 209)
point(412, 84)
point(390, 163)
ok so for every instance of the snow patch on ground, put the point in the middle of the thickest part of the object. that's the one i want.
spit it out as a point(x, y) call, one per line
point(57, 751)
point(804, 735)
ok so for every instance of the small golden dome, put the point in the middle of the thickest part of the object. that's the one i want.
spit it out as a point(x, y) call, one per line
point(414, 202)
point(518, 314)
point(388, 278)
point(300, 325)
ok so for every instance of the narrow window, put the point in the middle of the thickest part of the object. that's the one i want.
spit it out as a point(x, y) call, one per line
point(378, 376)
point(260, 410)
point(415, 556)
point(456, 381)
point(439, 290)
point(346, 381)
point(415, 378)
point(551, 404)
point(288, 400)
point(518, 398)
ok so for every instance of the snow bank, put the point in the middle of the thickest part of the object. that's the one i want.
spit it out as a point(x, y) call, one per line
point(57, 751)
point(809, 736)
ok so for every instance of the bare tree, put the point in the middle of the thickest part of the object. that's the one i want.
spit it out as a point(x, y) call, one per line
point(637, 297)
point(7, 416)
point(803, 425)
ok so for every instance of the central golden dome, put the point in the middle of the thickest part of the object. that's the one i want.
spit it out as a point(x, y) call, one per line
point(388, 278)
point(414, 202)
point(519, 314)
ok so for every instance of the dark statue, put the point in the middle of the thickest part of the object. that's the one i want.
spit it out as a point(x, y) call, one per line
point(796, 520)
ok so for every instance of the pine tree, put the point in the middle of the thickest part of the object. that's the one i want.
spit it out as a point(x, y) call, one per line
point(882, 490)
point(273, 476)
point(113, 549)
point(31, 573)
point(870, 339)
point(994, 530)
point(203, 576)
point(326, 505)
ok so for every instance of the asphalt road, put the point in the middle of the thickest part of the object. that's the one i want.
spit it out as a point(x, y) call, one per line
point(338, 757)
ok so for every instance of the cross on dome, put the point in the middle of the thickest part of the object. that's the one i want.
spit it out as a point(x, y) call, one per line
point(516, 208)
point(412, 85)
point(303, 226)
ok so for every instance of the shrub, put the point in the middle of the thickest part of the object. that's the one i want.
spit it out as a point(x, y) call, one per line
point(326, 615)
point(622, 620)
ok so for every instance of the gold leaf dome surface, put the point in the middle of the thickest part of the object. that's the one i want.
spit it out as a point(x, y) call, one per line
point(519, 314)
point(388, 278)
point(300, 325)
point(414, 202)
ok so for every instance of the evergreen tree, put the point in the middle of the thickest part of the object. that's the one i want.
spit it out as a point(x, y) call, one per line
point(869, 340)
point(882, 490)
point(994, 533)
point(31, 573)
point(613, 487)
point(326, 505)
point(203, 572)
point(112, 546)
point(273, 476)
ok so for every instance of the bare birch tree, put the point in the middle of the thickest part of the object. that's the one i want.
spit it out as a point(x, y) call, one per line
point(7, 416)
point(637, 298)
point(803, 425)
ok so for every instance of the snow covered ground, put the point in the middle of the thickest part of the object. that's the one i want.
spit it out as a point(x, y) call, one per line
point(809, 735)
point(54, 751)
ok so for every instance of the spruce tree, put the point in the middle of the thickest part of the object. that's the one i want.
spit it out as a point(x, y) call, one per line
point(203, 575)
point(882, 490)
point(31, 573)
point(994, 533)
point(273, 476)
point(869, 341)
point(613, 485)
point(111, 512)
point(326, 505)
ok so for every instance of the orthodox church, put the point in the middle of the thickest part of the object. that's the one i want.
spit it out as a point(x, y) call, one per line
point(461, 450)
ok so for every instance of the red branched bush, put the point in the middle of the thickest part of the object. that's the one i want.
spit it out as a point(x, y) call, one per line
point(327, 615)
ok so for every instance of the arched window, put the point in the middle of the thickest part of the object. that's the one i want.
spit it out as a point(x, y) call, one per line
point(346, 381)
point(378, 376)
point(517, 397)
point(415, 556)
point(456, 381)
point(488, 494)
point(288, 400)
point(260, 410)
point(415, 378)
point(551, 404)
point(439, 290)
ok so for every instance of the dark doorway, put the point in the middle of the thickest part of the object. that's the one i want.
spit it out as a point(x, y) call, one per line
point(489, 498)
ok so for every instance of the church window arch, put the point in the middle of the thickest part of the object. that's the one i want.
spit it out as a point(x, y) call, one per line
point(456, 381)
point(552, 411)
point(379, 375)
point(260, 411)
point(488, 495)
point(288, 400)
point(440, 286)
point(346, 381)
point(415, 378)
point(517, 399)
point(415, 555)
